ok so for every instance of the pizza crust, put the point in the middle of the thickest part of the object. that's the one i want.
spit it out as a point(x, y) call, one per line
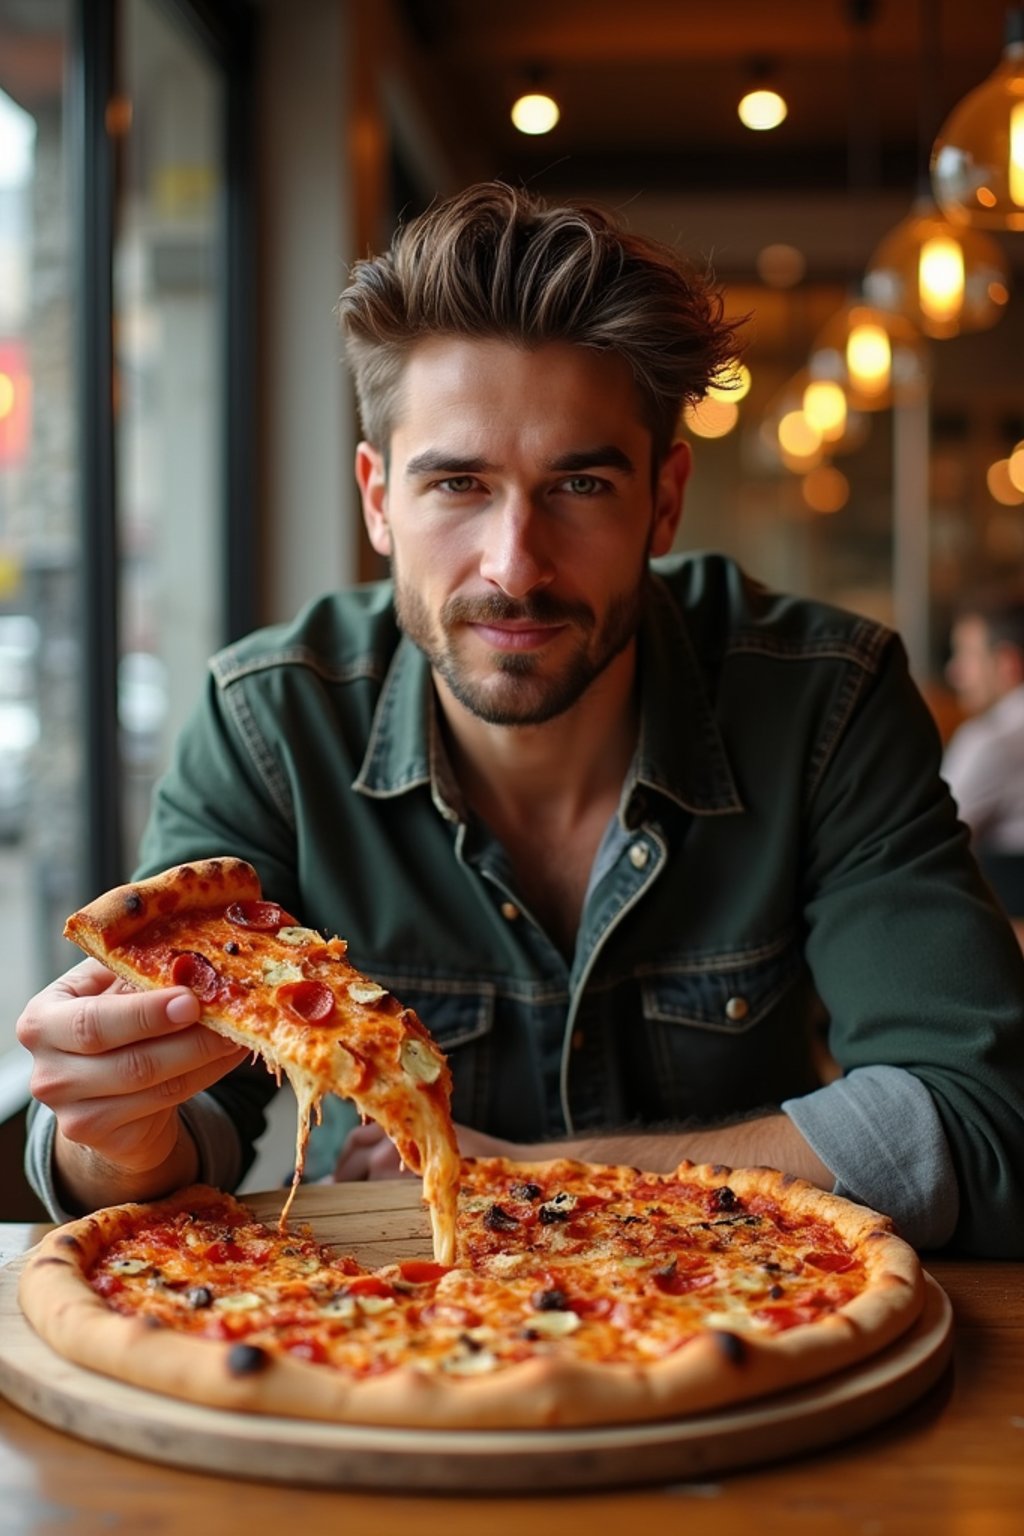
point(119, 914)
point(716, 1369)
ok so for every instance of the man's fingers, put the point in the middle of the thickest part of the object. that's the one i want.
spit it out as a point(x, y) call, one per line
point(85, 977)
point(140, 1068)
point(91, 1022)
point(117, 1123)
point(367, 1154)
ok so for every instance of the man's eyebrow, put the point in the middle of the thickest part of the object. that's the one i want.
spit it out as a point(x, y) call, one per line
point(607, 456)
point(434, 461)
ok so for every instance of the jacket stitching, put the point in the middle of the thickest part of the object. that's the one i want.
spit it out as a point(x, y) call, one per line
point(261, 754)
point(228, 668)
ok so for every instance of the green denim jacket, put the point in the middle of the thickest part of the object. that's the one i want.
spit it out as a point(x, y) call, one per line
point(784, 851)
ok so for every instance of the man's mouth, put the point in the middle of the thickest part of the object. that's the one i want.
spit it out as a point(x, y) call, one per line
point(521, 635)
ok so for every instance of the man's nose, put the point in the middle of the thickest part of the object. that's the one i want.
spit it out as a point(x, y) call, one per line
point(515, 554)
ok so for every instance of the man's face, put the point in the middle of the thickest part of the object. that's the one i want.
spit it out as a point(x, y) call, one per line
point(519, 514)
point(974, 671)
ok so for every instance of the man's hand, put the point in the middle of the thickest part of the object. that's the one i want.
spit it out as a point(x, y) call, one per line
point(114, 1064)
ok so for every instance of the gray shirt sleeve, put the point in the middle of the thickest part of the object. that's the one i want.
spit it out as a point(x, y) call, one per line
point(217, 1142)
point(880, 1133)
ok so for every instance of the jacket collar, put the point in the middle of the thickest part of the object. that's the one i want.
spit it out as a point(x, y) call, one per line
point(680, 755)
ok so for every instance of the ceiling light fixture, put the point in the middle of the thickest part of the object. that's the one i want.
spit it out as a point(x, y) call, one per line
point(762, 107)
point(535, 112)
point(710, 417)
point(944, 277)
point(977, 165)
point(876, 357)
point(824, 405)
point(1001, 484)
point(762, 110)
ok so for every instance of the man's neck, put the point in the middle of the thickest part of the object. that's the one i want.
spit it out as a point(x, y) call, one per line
point(557, 772)
point(547, 792)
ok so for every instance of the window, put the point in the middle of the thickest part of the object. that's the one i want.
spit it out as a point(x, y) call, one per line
point(125, 434)
point(169, 417)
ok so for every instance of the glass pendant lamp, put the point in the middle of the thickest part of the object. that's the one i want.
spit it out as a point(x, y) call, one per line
point(876, 356)
point(977, 165)
point(945, 278)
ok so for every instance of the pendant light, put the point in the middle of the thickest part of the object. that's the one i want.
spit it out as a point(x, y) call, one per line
point(944, 277)
point(535, 111)
point(762, 106)
point(876, 357)
point(977, 165)
point(809, 420)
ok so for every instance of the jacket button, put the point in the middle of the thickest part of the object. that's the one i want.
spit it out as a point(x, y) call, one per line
point(509, 910)
point(577, 1039)
point(639, 853)
point(736, 1009)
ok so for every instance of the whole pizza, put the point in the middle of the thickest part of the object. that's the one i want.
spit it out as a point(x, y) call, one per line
point(560, 1293)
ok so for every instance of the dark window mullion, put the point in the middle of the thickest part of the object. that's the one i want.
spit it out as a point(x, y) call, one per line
point(238, 283)
point(92, 149)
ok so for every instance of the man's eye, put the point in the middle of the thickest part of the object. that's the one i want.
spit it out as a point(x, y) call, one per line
point(583, 485)
point(458, 485)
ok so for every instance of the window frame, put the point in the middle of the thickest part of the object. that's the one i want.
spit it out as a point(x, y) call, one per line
point(226, 34)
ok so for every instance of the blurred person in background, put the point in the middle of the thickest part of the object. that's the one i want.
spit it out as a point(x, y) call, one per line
point(984, 760)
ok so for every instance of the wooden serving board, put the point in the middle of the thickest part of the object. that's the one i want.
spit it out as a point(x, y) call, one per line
point(378, 1223)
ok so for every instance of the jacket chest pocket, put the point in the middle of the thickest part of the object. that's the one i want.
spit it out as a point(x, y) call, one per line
point(729, 1037)
point(730, 999)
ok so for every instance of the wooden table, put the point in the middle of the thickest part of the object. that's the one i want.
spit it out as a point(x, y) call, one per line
point(952, 1463)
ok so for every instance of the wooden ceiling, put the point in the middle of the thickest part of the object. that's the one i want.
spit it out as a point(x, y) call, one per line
point(648, 88)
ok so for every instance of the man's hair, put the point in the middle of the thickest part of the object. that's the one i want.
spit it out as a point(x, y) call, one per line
point(1000, 609)
point(494, 262)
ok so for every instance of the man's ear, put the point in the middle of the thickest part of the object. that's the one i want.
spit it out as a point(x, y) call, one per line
point(371, 477)
point(668, 497)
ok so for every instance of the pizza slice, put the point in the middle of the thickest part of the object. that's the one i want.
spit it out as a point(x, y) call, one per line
point(293, 998)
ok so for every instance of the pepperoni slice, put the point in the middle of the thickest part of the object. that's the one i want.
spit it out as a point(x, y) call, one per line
point(421, 1271)
point(266, 916)
point(311, 1000)
point(830, 1263)
point(191, 970)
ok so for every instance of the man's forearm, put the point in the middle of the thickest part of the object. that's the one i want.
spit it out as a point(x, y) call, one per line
point(770, 1141)
point(85, 1181)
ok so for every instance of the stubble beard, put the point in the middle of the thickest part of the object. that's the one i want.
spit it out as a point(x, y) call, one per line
point(517, 691)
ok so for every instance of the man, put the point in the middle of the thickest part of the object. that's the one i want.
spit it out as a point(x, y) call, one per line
point(621, 835)
point(984, 761)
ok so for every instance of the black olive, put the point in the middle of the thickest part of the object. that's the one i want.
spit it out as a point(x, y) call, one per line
point(724, 1199)
point(554, 1212)
point(550, 1301)
point(199, 1296)
point(247, 1359)
point(232, 948)
point(500, 1220)
point(525, 1191)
